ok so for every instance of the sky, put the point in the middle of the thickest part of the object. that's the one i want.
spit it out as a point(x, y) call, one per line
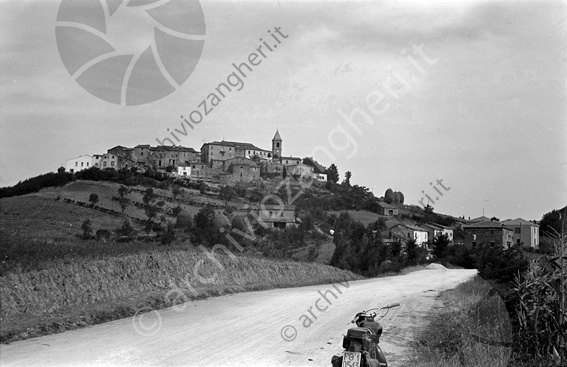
point(464, 102)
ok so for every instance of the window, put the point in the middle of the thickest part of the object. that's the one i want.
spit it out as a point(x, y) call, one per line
point(87, 164)
point(278, 145)
point(474, 237)
point(492, 232)
point(517, 230)
point(82, 164)
point(112, 163)
point(474, 244)
point(76, 164)
point(104, 164)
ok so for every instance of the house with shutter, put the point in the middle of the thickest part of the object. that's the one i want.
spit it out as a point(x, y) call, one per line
point(525, 234)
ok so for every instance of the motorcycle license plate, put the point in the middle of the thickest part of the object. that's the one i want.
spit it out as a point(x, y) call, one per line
point(351, 359)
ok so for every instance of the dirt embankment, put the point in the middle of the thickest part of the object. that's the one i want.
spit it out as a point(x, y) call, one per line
point(72, 295)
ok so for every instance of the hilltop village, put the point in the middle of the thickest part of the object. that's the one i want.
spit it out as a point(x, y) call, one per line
point(223, 162)
point(231, 163)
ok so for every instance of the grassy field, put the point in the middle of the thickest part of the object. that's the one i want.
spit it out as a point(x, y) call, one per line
point(47, 217)
point(473, 329)
point(363, 216)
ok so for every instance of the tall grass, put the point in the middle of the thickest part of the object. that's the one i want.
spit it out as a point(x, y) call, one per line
point(472, 330)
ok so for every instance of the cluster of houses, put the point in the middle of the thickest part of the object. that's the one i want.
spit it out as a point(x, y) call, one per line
point(226, 162)
point(229, 162)
point(479, 232)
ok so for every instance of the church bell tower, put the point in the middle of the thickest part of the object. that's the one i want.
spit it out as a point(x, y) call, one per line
point(277, 147)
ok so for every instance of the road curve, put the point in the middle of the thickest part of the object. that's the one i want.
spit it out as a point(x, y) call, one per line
point(248, 329)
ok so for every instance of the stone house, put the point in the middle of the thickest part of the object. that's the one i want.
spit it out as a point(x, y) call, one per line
point(300, 171)
point(488, 233)
point(319, 171)
point(277, 216)
point(240, 172)
point(387, 209)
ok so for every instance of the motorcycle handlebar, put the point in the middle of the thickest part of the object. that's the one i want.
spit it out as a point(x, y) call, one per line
point(392, 305)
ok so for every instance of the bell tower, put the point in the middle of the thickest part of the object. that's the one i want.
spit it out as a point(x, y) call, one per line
point(277, 147)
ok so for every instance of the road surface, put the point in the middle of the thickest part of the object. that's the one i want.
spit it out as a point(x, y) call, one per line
point(248, 329)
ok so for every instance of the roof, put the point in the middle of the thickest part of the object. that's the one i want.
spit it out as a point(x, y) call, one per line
point(178, 148)
point(385, 205)
point(277, 136)
point(437, 226)
point(519, 222)
point(318, 167)
point(81, 156)
point(409, 226)
point(480, 219)
point(486, 224)
point(235, 144)
point(294, 158)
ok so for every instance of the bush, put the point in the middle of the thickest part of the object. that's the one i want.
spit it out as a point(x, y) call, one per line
point(501, 265)
point(460, 255)
point(103, 235)
point(87, 228)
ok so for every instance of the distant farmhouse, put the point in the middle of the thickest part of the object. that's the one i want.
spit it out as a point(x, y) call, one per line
point(225, 162)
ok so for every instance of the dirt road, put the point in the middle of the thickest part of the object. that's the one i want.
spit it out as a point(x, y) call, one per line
point(248, 329)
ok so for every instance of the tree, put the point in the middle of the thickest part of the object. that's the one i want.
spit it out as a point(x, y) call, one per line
point(127, 229)
point(359, 195)
point(332, 174)
point(93, 198)
point(550, 224)
point(411, 251)
point(389, 196)
point(150, 207)
point(87, 228)
point(176, 191)
point(440, 245)
point(122, 199)
point(348, 176)
point(203, 188)
point(284, 173)
point(396, 197)
point(401, 197)
point(176, 210)
point(205, 217)
point(227, 193)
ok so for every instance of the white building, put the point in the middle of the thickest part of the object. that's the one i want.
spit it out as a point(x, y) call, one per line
point(75, 165)
point(525, 233)
point(184, 170)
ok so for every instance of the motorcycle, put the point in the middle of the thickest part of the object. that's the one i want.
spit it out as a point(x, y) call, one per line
point(360, 345)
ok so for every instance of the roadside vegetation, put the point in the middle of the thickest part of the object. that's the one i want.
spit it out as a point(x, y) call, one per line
point(524, 290)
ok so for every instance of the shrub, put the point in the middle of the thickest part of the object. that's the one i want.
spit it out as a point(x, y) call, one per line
point(501, 265)
point(103, 235)
point(87, 228)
